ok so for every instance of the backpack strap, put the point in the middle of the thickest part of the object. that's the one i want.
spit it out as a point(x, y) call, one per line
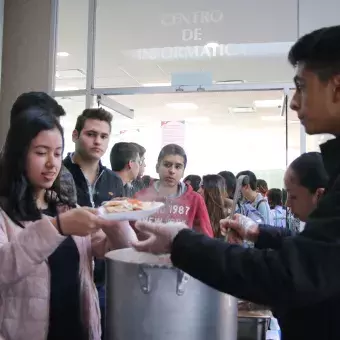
point(259, 202)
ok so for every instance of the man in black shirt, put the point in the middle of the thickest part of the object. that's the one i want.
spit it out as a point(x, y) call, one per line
point(300, 278)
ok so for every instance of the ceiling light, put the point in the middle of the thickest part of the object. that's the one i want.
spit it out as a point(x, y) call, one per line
point(63, 54)
point(273, 118)
point(231, 82)
point(182, 106)
point(66, 88)
point(212, 44)
point(268, 103)
point(57, 74)
point(240, 109)
point(156, 84)
point(293, 121)
point(197, 119)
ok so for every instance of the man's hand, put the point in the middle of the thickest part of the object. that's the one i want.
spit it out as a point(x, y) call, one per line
point(239, 229)
point(160, 237)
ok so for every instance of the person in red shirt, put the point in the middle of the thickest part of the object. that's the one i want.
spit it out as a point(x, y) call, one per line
point(182, 204)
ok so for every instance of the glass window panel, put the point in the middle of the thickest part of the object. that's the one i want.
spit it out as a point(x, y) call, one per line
point(71, 45)
point(293, 132)
point(73, 106)
point(234, 40)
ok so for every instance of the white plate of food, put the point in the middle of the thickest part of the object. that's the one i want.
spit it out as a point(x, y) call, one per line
point(128, 209)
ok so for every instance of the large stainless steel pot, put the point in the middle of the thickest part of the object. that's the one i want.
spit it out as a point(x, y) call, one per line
point(148, 299)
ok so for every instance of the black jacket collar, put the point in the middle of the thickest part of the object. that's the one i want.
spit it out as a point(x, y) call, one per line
point(330, 155)
point(68, 162)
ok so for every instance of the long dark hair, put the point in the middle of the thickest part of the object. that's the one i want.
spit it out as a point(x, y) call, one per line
point(214, 197)
point(17, 195)
point(310, 171)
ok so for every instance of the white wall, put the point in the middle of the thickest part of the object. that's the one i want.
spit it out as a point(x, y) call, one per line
point(25, 54)
point(2, 4)
point(314, 14)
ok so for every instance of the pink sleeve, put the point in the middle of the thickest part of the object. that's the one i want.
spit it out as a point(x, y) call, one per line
point(202, 220)
point(28, 248)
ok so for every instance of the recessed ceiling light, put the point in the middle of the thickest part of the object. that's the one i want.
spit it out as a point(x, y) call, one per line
point(227, 82)
point(268, 103)
point(63, 54)
point(212, 44)
point(240, 109)
point(156, 84)
point(66, 88)
point(182, 106)
point(273, 118)
point(197, 119)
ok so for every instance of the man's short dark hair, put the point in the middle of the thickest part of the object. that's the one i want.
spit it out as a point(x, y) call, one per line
point(274, 197)
point(252, 178)
point(141, 149)
point(121, 154)
point(230, 181)
point(97, 114)
point(40, 100)
point(172, 149)
point(195, 181)
point(319, 51)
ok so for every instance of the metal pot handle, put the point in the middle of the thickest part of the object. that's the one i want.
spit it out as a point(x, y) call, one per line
point(145, 278)
point(182, 280)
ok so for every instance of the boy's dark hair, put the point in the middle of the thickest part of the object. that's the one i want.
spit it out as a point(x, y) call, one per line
point(121, 154)
point(39, 100)
point(274, 197)
point(195, 181)
point(141, 149)
point(252, 178)
point(310, 171)
point(319, 51)
point(146, 179)
point(230, 182)
point(97, 114)
point(172, 149)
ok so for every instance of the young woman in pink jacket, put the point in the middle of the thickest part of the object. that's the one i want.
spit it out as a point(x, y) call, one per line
point(46, 248)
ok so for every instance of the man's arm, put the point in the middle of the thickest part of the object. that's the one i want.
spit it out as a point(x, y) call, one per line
point(301, 272)
point(271, 237)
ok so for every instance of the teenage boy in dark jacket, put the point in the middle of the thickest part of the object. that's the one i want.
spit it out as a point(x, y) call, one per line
point(94, 182)
point(300, 280)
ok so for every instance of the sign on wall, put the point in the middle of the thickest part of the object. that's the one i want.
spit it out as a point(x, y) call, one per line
point(173, 132)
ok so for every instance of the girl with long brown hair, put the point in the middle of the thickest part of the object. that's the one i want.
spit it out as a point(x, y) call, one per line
point(214, 193)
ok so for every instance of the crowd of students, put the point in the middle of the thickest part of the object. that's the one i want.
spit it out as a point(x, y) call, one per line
point(52, 238)
point(45, 255)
